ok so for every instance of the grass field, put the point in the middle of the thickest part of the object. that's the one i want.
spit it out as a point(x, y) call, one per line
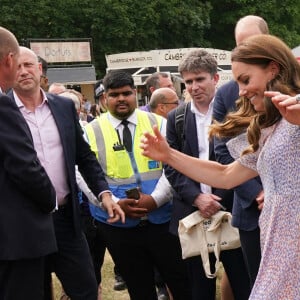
point(108, 293)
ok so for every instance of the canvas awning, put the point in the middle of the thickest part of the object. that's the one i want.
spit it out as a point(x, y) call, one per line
point(74, 75)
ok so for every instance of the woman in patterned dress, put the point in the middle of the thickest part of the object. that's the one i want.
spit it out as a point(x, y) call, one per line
point(269, 111)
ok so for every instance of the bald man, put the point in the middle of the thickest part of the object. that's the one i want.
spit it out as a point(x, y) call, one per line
point(162, 101)
point(155, 81)
point(27, 196)
point(56, 88)
point(248, 26)
point(58, 153)
point(245, 212)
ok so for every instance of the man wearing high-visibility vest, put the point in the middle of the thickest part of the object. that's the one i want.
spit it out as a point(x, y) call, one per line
point(143, 241)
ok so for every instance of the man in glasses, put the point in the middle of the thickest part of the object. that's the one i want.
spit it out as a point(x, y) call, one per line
point(162, 101)
point(155, 81)
point(140, 188)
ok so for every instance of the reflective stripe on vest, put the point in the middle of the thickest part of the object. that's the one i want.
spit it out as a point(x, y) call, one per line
point(102, 137)
point(117, 164)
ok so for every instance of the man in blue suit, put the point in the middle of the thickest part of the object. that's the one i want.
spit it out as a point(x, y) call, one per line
point(199, 72)
point(245, 212)
point(27, 195)
point(59, 143)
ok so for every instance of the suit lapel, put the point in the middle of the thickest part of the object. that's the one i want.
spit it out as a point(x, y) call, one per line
point(211, 151)
point(60, 118)
point(191, 131)
point(26, 126)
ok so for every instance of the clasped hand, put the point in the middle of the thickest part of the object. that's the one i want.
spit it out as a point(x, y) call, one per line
point(207, 204)
point(138, 208)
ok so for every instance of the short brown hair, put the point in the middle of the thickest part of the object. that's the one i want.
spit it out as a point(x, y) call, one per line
point(198, 60)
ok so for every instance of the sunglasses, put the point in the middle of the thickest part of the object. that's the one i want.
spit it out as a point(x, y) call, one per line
point(174, 102)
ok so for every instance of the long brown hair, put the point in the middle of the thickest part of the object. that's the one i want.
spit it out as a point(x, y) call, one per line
point(260, 50)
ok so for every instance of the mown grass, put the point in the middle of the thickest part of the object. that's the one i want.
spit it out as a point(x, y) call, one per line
point(108, 293)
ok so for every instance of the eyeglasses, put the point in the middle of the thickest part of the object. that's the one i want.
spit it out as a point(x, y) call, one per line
point(124, 94)
point(174, 102)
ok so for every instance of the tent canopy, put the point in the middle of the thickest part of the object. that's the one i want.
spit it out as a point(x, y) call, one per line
point(72, 75)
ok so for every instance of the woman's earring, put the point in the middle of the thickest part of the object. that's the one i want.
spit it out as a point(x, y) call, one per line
point(271, 78)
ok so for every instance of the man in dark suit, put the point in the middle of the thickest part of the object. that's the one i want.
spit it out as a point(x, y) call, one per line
point(27, 195)
point(245, 212)
point(199, 72)
point(58, 140)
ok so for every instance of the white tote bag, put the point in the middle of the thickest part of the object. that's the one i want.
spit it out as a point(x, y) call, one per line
point(200, 236)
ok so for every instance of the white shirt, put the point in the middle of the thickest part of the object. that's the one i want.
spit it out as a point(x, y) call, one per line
point(163, 190)
point(116, 123)
point(203, 121)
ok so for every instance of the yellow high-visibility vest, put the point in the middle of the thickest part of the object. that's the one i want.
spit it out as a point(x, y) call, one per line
point(117, 164)
point(125, 170)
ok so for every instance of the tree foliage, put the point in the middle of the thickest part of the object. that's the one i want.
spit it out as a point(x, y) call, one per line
point(282, 17)
point(130, 25)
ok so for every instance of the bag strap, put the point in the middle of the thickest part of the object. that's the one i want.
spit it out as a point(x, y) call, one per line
point(205, 255)
point(179, 123)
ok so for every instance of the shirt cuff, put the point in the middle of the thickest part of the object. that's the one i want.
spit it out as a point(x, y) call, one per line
point(163, 191)
point(100, 194)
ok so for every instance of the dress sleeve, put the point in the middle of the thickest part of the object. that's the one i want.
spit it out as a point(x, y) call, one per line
point(236, 147)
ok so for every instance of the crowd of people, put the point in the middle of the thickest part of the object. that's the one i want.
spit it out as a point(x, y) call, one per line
point(78, 180)
point(264, 140)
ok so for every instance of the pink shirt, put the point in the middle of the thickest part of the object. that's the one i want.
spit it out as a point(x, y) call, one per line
point(47, 143)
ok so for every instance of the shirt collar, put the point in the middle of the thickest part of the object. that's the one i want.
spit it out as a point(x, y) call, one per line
point(116, 122)
point(20, 103)
point(197, 112)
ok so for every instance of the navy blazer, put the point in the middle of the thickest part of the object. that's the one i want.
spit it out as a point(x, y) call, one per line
point(76, 152)
point(245, 213)
point(187, 189)
point(27, 196)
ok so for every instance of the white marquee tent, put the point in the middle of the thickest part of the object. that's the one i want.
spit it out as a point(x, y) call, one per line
point(296, 52)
